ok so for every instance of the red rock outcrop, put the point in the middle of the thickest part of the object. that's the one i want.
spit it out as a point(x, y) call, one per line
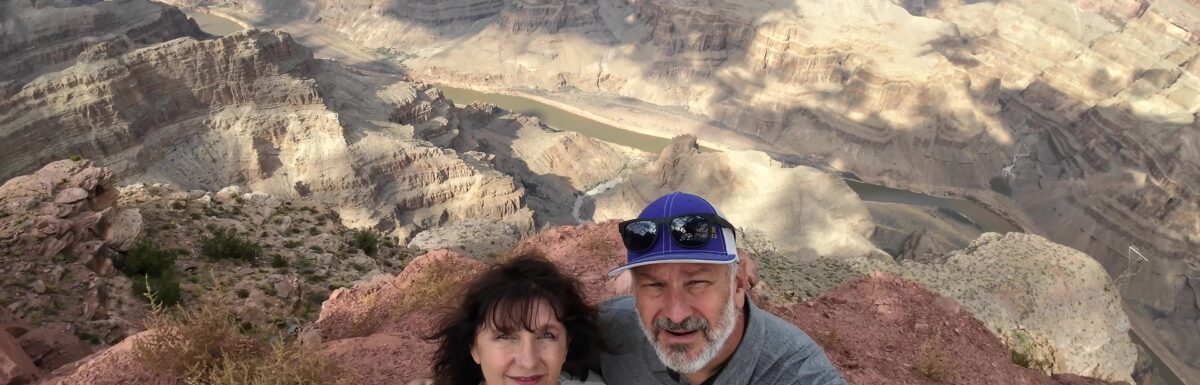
point(883, 329)
point(876, 329)
point(15, 366)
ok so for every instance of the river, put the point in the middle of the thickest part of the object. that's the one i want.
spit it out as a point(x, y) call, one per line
point(564, 120)
point(212, 24)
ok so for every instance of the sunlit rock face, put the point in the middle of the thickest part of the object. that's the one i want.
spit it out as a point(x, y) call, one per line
point(805, 212)
point(255, 109)
point(42, 36)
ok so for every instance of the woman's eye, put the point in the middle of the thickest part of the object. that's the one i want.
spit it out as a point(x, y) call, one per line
point(504, 336)
point(548, 335)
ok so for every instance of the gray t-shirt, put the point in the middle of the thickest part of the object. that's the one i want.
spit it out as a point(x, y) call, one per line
point(772, 351)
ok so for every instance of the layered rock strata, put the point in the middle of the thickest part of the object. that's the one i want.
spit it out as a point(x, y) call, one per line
point(41, 36)
point(255, 109)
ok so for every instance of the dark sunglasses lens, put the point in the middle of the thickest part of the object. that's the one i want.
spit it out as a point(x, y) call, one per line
point(691, 230)
point(640, 235)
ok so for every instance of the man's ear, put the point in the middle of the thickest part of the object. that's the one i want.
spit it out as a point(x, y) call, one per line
point(741, 287)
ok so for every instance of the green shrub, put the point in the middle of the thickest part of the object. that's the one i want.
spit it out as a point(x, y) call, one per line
point(89, 337)
point(146, 259)
point(278, 261)
point(226, 244)
point(178, 205)
point(164, 288)
point(76, 158)
point(291, 244)
point(243, 293)
point(367, 240)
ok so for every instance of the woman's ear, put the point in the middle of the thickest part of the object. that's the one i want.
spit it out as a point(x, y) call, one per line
point(475, 353)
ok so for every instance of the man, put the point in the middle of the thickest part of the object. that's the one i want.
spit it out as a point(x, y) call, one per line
point(690, 320)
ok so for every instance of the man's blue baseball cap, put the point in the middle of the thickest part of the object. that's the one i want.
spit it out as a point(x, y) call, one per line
point(720, 250)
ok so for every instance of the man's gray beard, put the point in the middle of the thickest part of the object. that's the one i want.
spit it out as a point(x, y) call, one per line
point(675, 356)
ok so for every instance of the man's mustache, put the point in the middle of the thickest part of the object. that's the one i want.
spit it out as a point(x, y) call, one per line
point(689, 324)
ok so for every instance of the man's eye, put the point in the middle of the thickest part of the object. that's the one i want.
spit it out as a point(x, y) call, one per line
point(696, 283)
point(654, 284)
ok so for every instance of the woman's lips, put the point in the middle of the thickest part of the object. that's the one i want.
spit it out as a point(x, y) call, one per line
point(530, 380)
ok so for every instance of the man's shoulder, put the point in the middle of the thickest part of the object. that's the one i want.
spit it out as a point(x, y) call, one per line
point(621, 303)
point(787, 355)
point(618, 317)
point(781, 335)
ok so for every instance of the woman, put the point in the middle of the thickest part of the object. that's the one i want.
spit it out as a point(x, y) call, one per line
point(522, 322)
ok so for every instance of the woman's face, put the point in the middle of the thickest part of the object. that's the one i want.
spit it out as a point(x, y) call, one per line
point(522, 357)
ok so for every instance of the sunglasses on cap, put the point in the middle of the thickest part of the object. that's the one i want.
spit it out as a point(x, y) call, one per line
point(688, 230)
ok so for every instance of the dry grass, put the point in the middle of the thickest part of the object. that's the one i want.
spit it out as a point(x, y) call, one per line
point(934, 363)
point(433, 287)
point(204, 345)
point(596, 245)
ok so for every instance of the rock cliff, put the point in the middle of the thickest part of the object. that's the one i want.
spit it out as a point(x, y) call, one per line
point(255, 109)
point(43, 36)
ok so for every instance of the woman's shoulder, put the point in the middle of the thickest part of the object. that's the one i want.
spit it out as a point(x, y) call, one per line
point(592, 379)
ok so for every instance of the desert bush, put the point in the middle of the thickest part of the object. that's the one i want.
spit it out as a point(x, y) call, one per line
point(934, 363)
point(367, 240)
point(163, 288)
point(278, 261)
point(1024, 350)
point(146, 259)
point(207, 345)
point(226, 244)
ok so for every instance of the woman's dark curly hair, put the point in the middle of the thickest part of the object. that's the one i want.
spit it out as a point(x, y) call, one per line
point(506, 297)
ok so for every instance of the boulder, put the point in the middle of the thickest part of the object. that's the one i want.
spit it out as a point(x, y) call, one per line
point(15, 366)
point(71, 195)
point(53, 345)
point(123, 231)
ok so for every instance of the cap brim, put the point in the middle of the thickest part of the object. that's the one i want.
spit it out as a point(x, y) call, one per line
point(671, 259)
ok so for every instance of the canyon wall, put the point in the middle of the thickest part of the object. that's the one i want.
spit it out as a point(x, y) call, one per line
point(41, 36)
point(1081, 114)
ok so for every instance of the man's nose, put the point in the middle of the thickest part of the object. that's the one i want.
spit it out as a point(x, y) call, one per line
point(678, 308)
